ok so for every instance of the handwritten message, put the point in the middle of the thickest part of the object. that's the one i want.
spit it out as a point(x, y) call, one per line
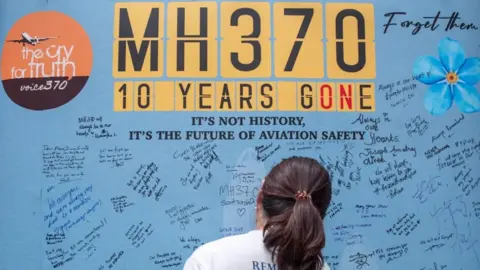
point(64, 163)
point(390, 178)
point(405, 225)
point(115, 157)
point(201, 158)
point(112, 260)
point(190, 243)
point(120, 203)
point(69, 208)
point(94, 127)
point(350, 234)
point(186, 215)
point(167, 259)
point(138, 233)
point(146, 182)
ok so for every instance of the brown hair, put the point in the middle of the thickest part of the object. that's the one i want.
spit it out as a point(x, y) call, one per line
point(294, 230)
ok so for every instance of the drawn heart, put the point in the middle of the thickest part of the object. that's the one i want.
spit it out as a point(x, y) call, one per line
point(241, 211)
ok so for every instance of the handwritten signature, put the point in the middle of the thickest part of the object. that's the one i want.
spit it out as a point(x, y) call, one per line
point(360, 260)
point(427, 188)
point(456, 211)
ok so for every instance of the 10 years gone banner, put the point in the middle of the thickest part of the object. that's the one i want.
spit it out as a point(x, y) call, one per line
point(133, 132)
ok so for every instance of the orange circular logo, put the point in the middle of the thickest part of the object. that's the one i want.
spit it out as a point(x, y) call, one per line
point(46, 60)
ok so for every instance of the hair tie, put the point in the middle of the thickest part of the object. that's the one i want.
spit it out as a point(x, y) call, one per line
point(302, 195)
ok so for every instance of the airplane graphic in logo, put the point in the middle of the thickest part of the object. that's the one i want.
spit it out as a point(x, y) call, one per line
point(27, 39)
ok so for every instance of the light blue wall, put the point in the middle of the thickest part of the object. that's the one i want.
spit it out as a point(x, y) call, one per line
point(439, 220)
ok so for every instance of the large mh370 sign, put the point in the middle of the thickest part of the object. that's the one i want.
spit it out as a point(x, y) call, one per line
point(243, 56)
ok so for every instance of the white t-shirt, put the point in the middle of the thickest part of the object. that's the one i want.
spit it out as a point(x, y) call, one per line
point(238, 252)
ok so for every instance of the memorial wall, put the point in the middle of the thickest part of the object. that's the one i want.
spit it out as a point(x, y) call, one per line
point(134, 132)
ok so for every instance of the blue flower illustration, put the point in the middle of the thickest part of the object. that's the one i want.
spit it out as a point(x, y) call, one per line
point(452, 78)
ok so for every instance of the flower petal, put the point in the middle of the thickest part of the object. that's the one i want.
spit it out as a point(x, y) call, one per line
point(451, 54)
point(470, 71)
point(438, 98)
point(466, 97)
point(428, 70)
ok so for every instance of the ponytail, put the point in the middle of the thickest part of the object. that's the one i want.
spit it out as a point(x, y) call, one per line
point(294, 199)
point(296, 237)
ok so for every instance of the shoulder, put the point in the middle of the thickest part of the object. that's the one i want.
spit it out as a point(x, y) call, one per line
point(226, 244)
point(205, 256)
